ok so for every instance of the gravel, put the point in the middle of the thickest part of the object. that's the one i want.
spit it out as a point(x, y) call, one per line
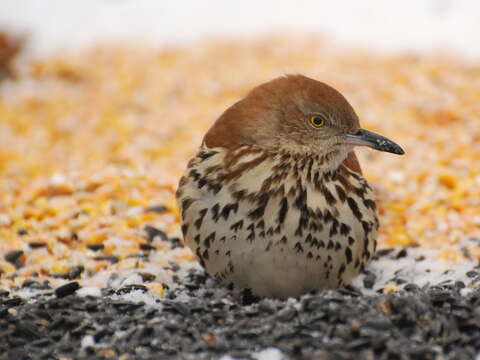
point(196, 319)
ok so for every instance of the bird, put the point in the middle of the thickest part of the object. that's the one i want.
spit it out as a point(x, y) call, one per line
point(274, 201)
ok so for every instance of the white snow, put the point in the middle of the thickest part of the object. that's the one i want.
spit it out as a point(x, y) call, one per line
point(87, 341)
point(89, 291)
point(432, 270)
point(269, 354)
point(137, 296)
point(265, 354)
point(132, 279)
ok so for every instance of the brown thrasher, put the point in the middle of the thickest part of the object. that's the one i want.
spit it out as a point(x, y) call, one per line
point(274, 200)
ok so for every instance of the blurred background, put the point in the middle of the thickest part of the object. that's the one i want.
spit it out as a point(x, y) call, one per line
point(103, 102)
point(445, 25)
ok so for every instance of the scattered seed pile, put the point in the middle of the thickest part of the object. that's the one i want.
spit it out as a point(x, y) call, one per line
point(92, 145)
point(199, 321)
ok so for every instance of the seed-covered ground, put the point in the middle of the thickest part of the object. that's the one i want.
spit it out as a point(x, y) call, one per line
point(198, 321)
point(92, 145)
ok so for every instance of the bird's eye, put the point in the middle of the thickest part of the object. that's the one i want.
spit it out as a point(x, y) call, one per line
point(317, 121)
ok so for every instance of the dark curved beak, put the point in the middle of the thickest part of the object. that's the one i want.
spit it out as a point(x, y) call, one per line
point(375, 141)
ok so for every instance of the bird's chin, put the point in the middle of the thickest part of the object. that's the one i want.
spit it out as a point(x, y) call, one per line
point(342, 147)
point(331, 160)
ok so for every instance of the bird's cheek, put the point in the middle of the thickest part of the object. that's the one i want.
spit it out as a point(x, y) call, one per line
point(300, 142)
point(305, 139)
point(338, 141)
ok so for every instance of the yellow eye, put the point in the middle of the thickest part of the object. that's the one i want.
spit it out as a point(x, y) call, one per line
point(317, 121)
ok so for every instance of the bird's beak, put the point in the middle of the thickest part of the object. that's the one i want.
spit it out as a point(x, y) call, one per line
point(375, 141)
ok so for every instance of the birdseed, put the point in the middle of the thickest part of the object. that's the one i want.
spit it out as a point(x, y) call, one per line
point(93, 144)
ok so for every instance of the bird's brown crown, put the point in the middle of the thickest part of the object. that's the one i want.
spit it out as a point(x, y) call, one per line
point(293, 112)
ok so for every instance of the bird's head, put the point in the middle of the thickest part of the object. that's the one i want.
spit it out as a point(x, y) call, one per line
point(296, 114)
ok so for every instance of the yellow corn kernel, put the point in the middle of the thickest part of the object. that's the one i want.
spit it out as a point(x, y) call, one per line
point(456, 203)
point(426, 207)
point(418, 229)
point(8, 268)
point(41, 202)
point(121, 226)
point(30, 213)
point(100, 265)
point(441, 210)
point(399, 237)
point(134, 221)
point(136, 202)
point(455, 238)
point(148, 217)
point(396, 207)
point(188, 256)
point(109, 249)
point(60, 268)
point(421, 177)
point(447, 180)
point(390, 288)
point(156, 289)
point(97, 238)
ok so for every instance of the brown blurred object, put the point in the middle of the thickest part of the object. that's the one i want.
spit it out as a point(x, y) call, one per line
point(10, 48)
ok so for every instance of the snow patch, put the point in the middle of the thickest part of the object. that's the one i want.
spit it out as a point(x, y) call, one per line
point(269, 354)
point(420, 266)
